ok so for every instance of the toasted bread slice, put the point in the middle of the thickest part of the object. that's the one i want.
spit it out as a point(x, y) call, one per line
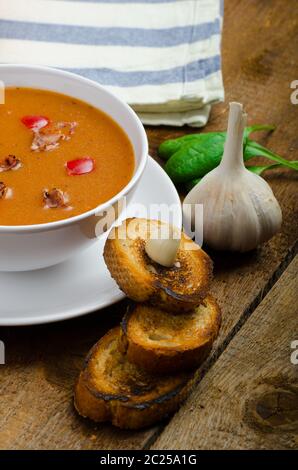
point(163, 342)
point(179, 288)
point(110, 388)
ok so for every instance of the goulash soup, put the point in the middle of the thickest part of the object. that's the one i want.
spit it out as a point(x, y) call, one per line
point(59, 157)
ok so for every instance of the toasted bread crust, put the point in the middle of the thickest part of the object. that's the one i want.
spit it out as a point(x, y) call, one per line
point(128, 397)
point(161, 342)
point(176, 289)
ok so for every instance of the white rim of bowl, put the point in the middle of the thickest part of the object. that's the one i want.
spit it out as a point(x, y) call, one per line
point(138, 172)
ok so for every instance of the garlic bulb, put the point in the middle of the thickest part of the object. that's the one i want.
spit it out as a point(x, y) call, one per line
point(239, 207)
point(163, 251)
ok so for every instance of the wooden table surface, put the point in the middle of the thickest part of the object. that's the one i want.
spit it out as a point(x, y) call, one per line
point(247, 391)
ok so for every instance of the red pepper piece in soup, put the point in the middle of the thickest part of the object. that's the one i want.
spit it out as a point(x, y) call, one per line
point(35, 122)
point(80, 166)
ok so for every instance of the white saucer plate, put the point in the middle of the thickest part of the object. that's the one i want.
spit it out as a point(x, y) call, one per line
point(82, 284)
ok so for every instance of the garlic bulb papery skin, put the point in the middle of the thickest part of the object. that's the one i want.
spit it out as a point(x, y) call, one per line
point(240, 210)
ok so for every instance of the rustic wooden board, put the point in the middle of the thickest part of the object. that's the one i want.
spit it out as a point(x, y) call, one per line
point(36, 387)
point(259, 48)
point(249, 399)
point(260, 43)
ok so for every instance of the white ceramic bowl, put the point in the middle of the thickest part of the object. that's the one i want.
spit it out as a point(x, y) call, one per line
point(28, 247)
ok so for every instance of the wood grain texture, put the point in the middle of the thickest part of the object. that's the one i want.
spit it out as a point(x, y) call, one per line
point(259, 51)
point(260, 43)
point(36, 387)
point(249, 399)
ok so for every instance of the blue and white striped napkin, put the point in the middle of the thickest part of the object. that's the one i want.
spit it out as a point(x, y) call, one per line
point(160, 56)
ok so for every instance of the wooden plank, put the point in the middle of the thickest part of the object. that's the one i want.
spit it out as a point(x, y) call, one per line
point(259, 44)
point(36, 387)
point(249, 399)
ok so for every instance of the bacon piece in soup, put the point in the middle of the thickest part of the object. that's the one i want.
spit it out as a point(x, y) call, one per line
point(3, 190)
point(10, 163)
point(55, 198)
point(49, 137)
